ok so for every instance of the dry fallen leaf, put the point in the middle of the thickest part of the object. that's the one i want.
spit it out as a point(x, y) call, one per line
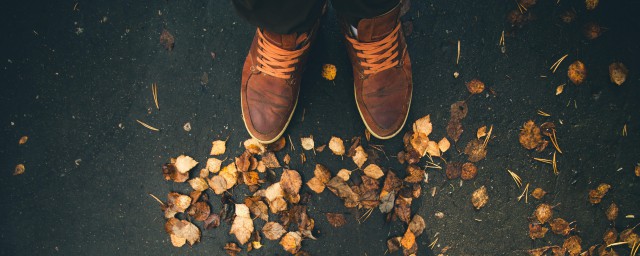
point(453, 170)
point(329, 71)
point(572, 245)
point(577, 72)
point(416, 174)
point(18, 170)
point(213, 165)
point(530, 136)
point(373, 171)
point(23, 140)
point(475, 150)
point(170, 172)
point(559, 89)
point(417, 225)
point(433, 149)
point(339, 187)
point(218, 147)
point(181, 230)
point(469, 171)
point(230, 175)
point(278, 145)
point(592, 30)
point(482, 131)
point(596, 195)
point(612, 212)
point(176, 203)
point(167, 40)
point(360, 156)
point(307, 142)
point(479, 198)
point(218, 184)
point(393, 244)
point(198, 184)
point(199, 211)
point(537, 231)
point(610, 236)
point(273, 230)
point(408, 240)
point(232, 249)
point(560, 226)
point(591, 4)
point(290, 181)
point(344, 174)
point(617, 72)
point(459, 110)
point(254, 146)
point(538, 193)
point(423, 125)
point(444, 144)
point(543, 213)
point(291, 242)
point(185, 163)
point(336, 145)
point(454, 129)
point(242, 224)
point(475, 86)
point(213, 221)
point(257, 207)
point(336, 219)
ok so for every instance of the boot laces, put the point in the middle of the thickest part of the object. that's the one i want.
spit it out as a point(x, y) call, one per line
point(377, 56)
point(278, 62)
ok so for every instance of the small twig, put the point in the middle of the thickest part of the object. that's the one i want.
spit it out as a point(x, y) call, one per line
point(557, 63)
point(157, 199)
point(515, 178)
point(293, 148)
point(458, 58)
point(147, 126)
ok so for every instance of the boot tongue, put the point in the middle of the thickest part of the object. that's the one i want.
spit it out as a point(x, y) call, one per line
point(374, 29)
point(287, 42)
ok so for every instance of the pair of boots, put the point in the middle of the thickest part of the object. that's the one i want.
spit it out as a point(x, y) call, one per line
point(381, 72)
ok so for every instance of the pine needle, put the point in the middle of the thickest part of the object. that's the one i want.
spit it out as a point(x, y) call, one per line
point(147, 126)
point(515, 178)
point(624, 130)
point(433, 244)
point(542, 113)
point(488, 136)
point(157, 199)
point(154, 91)
point(546, 161)
point(557, 63)
point(616, 244)
point(525, 193)
point(555, 165)
point(458, 58)
point(554, 141)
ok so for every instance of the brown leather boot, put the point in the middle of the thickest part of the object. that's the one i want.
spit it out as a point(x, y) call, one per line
point(271, 81)
point(381, 72)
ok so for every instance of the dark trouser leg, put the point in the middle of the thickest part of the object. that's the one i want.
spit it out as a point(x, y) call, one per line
point(280, 16)
point(354, 10)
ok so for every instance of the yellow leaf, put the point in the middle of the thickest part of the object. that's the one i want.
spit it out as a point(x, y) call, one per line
point(329, 71)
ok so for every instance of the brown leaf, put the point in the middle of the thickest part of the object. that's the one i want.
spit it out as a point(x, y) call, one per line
point(230, 175)
point(423, 125)
point(475, 150)
point(242, 224)
point(530, 136)
point(218, 184)
point(560, 226)
point(572, 245)
point(218, 147)
point(612, 212)
point(291, 242)
point(543, 213)
point(170, 172)
point(617, 72)
point(23, 140)
point(591, 4)
point(610, 236)
point(403, 209)
point(257, 207)
point(185, 163)
point(336, 219)
point(420, 143)
point(355, 143)
point(213, 221)
point(482, 131)
point(273, 230)
point(391, 182)
point(167, 40)
point(393, 244)
point(337, 146)
point(538, 193)
point(469, 171)
point(182, 230)
point(417, 225)
point(291, 181)
point(199, 211)
point(316, 185)
point(592, 30)
point(360, 156)
point(254, 146)
point(444, 144)
point(278, 145)
point(213, 165)
point(577, 72)
point(479, 198)
point(596, 195)
point(344, 174)
point(537, 231)
point(453, 170)
point(270, 161)
point(475, 86)
point(408, 240)
point(454, 129)
point(18, 170)
point(198, 184)
point(232, 249)
point(340, 188)
point(416, 174)
point(176, 203)
point(367, 193)
point(373, 171)
point(459, 110)
point(629, 236)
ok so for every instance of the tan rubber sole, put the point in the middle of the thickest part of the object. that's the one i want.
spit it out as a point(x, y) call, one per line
point(369, 128)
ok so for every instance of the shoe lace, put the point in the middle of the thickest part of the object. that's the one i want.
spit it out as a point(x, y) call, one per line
point(275, 61)
point(379, 55)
